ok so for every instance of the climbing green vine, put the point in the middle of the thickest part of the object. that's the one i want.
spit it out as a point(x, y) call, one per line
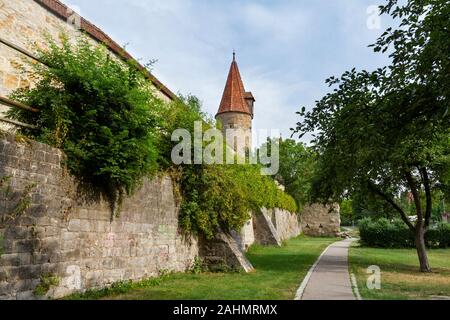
point(217, 196)
point(47, 281)
point(21, 201)
point(103, 114)
point(98, 110)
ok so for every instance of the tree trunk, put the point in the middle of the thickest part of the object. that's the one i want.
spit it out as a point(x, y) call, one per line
point(421, 249)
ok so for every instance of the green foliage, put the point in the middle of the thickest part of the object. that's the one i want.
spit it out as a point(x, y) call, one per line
point(47, 281)
point(368, 205)
point(180, 114)
point(373, 128)
point(387, 131)
point(439, 237)
point(420, 49)
point(24, 201)
point(217, 196)
point(103, 114)
point(21, 200)
point(297, 164)
point(198, 266)
point(100, 111)
point(347, 215)
point(383, 233)
point(277, 268)
point(121, 287)
point(5, 186)
point(440, 206)
point(222, 196)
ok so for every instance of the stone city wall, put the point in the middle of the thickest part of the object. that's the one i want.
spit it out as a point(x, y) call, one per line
point(52, 227)
point(268, 227)
point(286, 223)
point(320, 220)
point(246, 237)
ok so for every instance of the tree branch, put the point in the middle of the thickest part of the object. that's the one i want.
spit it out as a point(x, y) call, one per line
point(403, 215)
point(426, 183)
point(416, 196)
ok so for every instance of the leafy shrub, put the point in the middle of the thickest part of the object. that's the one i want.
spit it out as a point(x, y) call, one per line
point(180, 114)
point(99, 110)
point(347, 215)
point(439, 237)
point(114, 131)
point(385, 234)
point(121, 287)
point(217, 196)
point(223, 196)
point(47, 281)
point(297, 165)
point(198, 266)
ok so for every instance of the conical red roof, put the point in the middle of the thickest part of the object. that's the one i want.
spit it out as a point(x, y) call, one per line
point(233, 99)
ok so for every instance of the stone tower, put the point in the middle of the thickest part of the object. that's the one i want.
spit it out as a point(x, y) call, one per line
point(236, 112)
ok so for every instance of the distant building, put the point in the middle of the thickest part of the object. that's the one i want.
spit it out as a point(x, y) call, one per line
point(236, 112)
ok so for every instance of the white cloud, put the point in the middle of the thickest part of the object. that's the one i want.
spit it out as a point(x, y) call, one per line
point(160, 8)
point(280, 23)
point(285, 49)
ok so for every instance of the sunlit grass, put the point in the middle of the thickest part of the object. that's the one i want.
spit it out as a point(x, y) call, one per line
point(400, 276)
point(278, 274)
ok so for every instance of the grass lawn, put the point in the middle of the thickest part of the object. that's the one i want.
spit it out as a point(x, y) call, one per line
point(278, 274)
point(400, 278)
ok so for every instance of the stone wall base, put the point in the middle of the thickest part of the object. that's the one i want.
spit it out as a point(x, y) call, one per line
point(223, 253)
point(246, 237)
point(268, 227)
point(69, 234)
point(265, 232)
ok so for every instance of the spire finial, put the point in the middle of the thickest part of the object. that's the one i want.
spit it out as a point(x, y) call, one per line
point(234, 55)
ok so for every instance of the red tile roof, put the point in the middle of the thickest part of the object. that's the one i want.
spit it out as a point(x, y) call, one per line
point(249, 96)
point(63, 12)
point(234, 95)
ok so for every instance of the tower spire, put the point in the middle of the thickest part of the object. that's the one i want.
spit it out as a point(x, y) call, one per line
point(234, 97)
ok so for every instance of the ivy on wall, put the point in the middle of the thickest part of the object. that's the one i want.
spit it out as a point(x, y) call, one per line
point(217, 196)
point(21, 200)
point(104, 115)
point(98, 110)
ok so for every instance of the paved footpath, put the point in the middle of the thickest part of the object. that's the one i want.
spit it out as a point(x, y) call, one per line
point(330, 279)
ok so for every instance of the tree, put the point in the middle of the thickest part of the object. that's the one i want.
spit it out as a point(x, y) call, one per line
point(420, 52)
point(368, 205)
point(296, 169)
point(347, 212)
point(387, 131)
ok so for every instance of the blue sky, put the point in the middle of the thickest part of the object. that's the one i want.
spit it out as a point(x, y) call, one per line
point(285, 49)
